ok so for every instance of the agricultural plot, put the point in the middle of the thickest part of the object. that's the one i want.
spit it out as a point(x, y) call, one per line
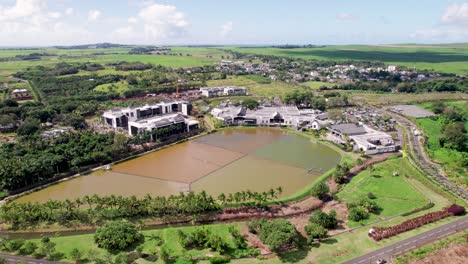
point(443, 58)
point(315, 85)
point(257, 87)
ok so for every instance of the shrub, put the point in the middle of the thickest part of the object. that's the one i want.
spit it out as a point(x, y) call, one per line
point(357, 214)
point(219, 260)
point(117, 235)
point(319, 190)
point(76, 254)
point(14, 244)
point(28, 248)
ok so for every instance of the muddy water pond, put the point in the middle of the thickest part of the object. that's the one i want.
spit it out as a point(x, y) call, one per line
point(227, 161)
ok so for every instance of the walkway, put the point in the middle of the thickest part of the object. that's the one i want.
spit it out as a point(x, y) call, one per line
point(412, 242)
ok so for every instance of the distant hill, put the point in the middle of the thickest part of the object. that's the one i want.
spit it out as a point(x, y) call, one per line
point(93, 46)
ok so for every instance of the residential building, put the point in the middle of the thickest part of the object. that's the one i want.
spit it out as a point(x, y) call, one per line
point(223, 91)
point(20, 93)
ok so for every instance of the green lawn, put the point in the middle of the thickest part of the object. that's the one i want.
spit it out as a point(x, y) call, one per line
point(442, 58)
point(395, 194)
point(119, 87)
point(315, 85)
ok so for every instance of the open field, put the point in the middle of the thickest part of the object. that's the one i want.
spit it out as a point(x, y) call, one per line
point(316, 85)
point(443, 58)
point(275, 88)
point(401, 98)
point(119, 87)
point(394, 194)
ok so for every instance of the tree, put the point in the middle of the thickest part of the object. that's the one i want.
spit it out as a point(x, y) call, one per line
point(357, 214)
point(319, 190)
point(326, 220)
point(250, 103)
point(117, 235)
point(3, 260)
point(455, 137)
point(277, 234)
point(315, 231)
point(438, 107)
point(29, 127)
point(76, 254)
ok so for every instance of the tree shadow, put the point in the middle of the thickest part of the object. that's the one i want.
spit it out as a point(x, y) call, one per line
point(329, 241)
point(296, 254)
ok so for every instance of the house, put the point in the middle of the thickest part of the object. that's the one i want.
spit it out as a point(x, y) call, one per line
point(223, 91)
point(176, 120)
point(20, 93)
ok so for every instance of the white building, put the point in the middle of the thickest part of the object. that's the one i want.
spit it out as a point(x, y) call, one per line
point(271, 116)
point(223, 91)
point(150, 117)
point(362, 138)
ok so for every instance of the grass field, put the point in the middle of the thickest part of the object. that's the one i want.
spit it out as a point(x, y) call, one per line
point(257, 87)
point(443, 58)
point(316, 85)
point(85, 243)
point(394, 194)
point(402, 98)
point(119, 87)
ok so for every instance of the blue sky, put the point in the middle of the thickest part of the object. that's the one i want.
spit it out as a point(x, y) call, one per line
point(64, 22)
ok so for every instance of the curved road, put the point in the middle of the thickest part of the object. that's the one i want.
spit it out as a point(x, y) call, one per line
point(412, 242)
point(424, 161)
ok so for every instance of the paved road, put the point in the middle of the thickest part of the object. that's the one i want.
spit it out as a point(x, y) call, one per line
point(14, 259)
point(412, 242)
point(424, 161)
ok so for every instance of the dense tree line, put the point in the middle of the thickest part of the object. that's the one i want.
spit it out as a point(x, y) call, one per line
point(437, 85)
point(33, 159)
point(305, 99)
point(95, 209)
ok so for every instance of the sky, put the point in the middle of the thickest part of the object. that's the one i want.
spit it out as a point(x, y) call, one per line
point(231, 22)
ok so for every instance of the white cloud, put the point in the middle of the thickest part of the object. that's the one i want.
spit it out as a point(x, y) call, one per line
point(94, 15)
point(132, 20)
point(454, 26)
point(55, 15)
point(69, 11)
point(456, 14)
point(346, 17)
point(226, 28)
point(154, 23)
point(30, 22)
